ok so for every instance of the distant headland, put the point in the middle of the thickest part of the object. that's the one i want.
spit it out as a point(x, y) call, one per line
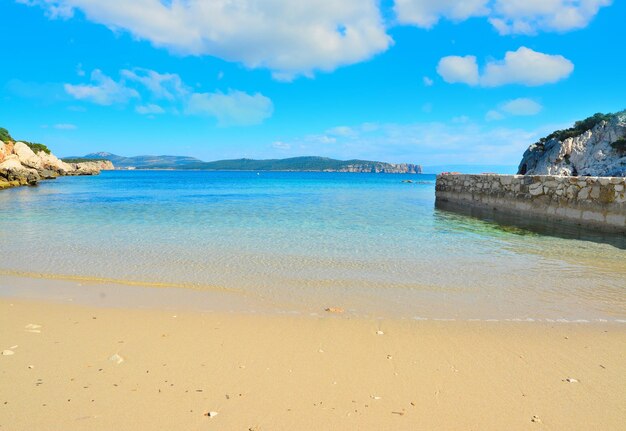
point(300, 164)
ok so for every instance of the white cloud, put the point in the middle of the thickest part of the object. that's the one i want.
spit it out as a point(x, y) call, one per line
point(507, 16)
point(104, 91)
point(524, 67)
point(427, 13)
point(232, 108)
point(455, 69)
point(65, 126)
point(289, 37)
point(54, 9)
point(532, 16)
point(235, 108)
point(522, 106)
point(166, 86)
point(149, 109)
point(427, 81)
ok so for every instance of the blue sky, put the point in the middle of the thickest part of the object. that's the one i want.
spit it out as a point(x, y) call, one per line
point(435, 83)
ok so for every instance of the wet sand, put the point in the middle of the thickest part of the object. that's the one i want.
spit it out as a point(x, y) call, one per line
point(75, 367)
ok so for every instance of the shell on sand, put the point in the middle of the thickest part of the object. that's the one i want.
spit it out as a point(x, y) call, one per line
point(116, 358)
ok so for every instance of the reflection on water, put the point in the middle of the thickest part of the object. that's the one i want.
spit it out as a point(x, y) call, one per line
point(366, 241)
point(455, 213)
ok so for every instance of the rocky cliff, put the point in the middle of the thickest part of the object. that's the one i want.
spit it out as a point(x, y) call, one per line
point(20, 165)
point(594, 147)
point(380, 167)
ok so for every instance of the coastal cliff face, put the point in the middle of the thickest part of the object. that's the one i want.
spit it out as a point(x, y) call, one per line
point(20, 165)
point(599, 151)
point(387, 168)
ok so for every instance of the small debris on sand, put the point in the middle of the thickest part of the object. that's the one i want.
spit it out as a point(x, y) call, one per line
point(389, 357)
point(398, 413)
point(211, 414)
point(30, 367)
point(8, 352)
point(535, 419)
point(116, 358)
point(570, 380)
point(374, 397)
point(380, 333)
point(32, 327)
point(336, 310)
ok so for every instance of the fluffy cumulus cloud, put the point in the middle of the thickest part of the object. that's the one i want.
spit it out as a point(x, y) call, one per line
point(103, 90)
point(507, 16)
point(168, 86)
point(427, 13)
point(232, 108)
point(531, 16)
point(455, 69)
point(524, 66)
point(289, 37)
point(160, 93)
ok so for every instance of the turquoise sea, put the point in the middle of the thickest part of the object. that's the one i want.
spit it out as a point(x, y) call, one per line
point(300, 242)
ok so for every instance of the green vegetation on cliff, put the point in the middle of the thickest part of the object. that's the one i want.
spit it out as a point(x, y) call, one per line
point(579, 128)
point(81, 160)
point(37, 147)
point(5, 135)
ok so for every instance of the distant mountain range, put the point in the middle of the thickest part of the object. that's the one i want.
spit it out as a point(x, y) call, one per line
point(313, 164)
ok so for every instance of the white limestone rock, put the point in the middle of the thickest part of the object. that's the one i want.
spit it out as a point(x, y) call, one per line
point(12, 170)
point(27, 156)
point(588, 154)
point(52, 162)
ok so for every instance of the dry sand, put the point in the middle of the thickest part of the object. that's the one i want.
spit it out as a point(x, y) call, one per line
point(302, 373)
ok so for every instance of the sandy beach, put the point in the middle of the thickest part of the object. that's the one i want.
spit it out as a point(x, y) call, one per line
point(75, 367)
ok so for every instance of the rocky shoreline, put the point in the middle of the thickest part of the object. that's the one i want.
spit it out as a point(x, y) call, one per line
point(21, 166)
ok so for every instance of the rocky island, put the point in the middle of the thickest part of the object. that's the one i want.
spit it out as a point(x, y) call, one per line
point(23, 163)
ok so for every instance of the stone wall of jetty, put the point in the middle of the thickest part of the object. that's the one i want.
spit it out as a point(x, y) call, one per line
point(593, 202)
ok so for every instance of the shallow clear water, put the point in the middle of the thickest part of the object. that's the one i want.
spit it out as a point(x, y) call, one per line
point(305, 240)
